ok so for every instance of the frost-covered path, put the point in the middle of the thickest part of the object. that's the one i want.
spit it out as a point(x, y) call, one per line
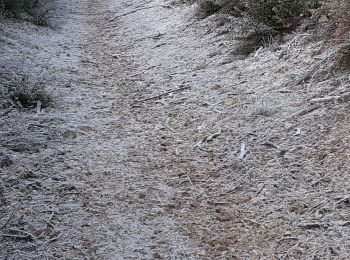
point(166, 145)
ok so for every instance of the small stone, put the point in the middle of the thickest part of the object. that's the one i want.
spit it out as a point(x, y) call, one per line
point(69, 135)
point(85, 128)
point(323, 19)
point(5, 162)
point(223, 215)
point(142, 195)
point(221, 248)
point(30, 174)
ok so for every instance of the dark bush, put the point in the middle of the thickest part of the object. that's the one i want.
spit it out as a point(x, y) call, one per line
point(17, 5)
point(344, 57)
point(37, 10)
point(265, 19)
point(268, 19)
point(208, 7)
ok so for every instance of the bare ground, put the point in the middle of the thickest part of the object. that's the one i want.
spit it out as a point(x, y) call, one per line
point(236, 162)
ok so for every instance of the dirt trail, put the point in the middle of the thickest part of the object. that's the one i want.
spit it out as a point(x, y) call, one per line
point(232, 165)
point(127, 192)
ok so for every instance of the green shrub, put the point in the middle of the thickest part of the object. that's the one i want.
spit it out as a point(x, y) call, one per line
point(265, 19)
point(208, 7)
point(276, 14)
point(268, 19)
point(235, 8)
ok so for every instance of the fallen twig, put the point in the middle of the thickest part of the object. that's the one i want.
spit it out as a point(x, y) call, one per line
point(9, 218)
point(137, 10)
point(7, 111)
point(313, 225)
point(154, 36)
point(168, 127)
point(225, 193)
point(38, 106)
point(260, 190)
point(272, 145)
point(211, 137)
point(163, 94)
point(305, 111)
point(189, 179)
point(14, 236)
point(243, 152)
point(53, 239)
point(23, 232)
point(343, 98)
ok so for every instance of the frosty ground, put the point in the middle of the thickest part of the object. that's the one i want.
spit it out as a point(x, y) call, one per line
point(162, 144)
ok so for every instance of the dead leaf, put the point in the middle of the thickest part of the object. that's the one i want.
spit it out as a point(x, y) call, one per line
point(230, 101)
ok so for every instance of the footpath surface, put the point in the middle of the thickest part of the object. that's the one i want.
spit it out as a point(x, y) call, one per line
point(163, 145)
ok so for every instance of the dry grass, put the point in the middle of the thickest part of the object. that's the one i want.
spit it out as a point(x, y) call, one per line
point(27, 95)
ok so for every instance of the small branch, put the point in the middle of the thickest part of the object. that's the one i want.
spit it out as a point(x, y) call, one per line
point(305, 111)
point(155, 36)
point(163, 94)
point(225, 193)
point(211, 137)
point(10, 217)
point(23, 232)
point(312, 225)
point(189, 179)
point(272, 145)
point(7, 111)
point(38, 106)
point(243, 152)
point(14, 236)
point(343, 98)
point(260, 190)
point(53, 239)
point(137, 10)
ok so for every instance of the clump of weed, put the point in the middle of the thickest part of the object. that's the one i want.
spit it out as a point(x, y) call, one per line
point(208, 7)
point(251, 40)
point(40, 16)
point(26, 94)
point(268, 19)
point(344, 57)
point(264, 19)
point(36, 9)
point(236, 8)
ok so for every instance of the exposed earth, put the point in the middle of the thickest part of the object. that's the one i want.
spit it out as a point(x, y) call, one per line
point(162, 144)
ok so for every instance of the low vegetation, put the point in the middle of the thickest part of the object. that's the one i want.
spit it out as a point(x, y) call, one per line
point(36, 11)
point(27, 89)
point(25, 94)
point(208, 7)
point(344, 57)
point(265, 19)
